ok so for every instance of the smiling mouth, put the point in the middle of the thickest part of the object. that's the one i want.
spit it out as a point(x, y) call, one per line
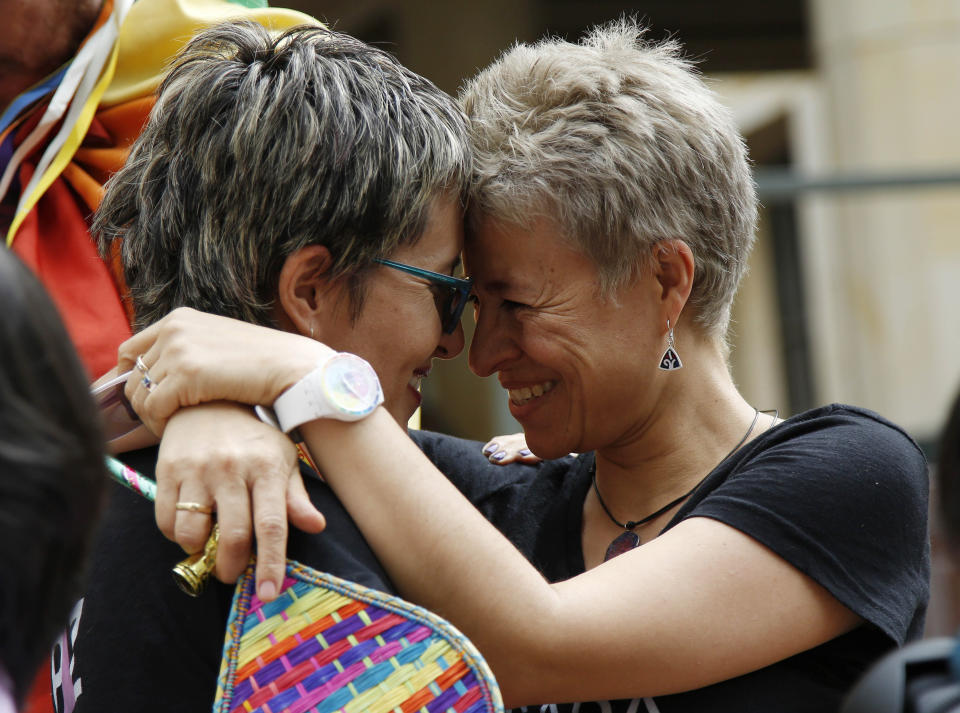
point(524, 394)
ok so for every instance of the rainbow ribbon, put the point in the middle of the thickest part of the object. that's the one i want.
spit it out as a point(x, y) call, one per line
point(137, 482)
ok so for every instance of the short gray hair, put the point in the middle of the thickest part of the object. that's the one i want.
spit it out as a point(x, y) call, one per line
point(621, 144)
point(260, 145)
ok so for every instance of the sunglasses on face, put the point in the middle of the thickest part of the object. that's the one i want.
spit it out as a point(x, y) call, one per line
point(453, 295)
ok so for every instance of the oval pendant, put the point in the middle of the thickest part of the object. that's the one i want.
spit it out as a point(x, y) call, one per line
point(623, 543)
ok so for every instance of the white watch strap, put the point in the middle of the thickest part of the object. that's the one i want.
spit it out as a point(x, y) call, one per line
point(299, 404)
point(343, 386)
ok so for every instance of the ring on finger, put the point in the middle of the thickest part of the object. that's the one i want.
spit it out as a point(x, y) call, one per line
point(194, 507)
point(148, 383)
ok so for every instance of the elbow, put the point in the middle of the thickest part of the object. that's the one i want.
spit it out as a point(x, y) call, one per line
point(529, 673)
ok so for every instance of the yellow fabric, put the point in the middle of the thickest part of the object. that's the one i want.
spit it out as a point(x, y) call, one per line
point(155, 30)
point(151, 34)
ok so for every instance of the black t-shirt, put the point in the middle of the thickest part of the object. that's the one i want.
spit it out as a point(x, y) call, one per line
point(136, 642)
point(838, 492)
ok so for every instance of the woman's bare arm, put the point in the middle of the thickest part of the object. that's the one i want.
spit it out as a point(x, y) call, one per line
point(697, 605)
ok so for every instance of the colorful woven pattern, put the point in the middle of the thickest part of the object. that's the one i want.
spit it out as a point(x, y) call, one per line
point(329, 645)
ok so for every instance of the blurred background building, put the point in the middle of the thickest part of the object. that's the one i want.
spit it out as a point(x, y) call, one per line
point(851, 109)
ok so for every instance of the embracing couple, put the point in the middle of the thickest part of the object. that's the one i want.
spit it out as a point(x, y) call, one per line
point(307, 196)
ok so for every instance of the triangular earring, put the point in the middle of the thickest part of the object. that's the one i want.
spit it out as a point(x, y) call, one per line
point(670, 361)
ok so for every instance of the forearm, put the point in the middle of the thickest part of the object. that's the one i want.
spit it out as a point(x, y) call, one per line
point(439, 550)
point(698, 605)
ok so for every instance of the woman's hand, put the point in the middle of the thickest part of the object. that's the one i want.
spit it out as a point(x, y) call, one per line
point(192, 357)
point(501, 450)
point(221, 455)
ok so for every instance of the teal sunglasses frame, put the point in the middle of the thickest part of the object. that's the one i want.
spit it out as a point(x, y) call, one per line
point(452, 306)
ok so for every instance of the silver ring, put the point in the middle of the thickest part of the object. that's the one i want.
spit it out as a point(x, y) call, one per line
point(148, 383)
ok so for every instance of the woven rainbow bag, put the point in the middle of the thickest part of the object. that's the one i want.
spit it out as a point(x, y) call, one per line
point(326, 645)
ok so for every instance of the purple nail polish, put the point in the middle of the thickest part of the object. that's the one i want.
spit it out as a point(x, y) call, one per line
point(499, 455)
point(525, 451)
point(490, 448)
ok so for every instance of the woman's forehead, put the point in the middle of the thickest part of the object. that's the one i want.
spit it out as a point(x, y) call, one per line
point(439, 246)
point(495, 250)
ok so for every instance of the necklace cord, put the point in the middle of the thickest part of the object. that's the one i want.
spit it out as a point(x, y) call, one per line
point(633, 524)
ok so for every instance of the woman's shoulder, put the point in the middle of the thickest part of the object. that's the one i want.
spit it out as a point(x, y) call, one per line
point(834, 414)
point(840, 493)
point(851, 452)
point(841, 433)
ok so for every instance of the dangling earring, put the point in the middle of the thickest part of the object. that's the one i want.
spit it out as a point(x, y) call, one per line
point(670, 361)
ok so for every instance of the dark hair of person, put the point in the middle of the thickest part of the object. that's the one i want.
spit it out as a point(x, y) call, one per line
point(52, 472)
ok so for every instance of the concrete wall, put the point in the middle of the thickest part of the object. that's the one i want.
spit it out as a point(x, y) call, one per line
point(885, 266)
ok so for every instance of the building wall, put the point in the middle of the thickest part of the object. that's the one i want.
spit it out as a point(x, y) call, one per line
point(885, 265)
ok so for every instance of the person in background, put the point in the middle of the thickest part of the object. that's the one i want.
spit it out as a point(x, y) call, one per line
point(52, 477)
point(698, 554)
point(77, 79)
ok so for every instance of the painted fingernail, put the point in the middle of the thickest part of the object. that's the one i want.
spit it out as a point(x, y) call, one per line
point(499, 455)
point(267, 591)
point(490, 448)
point(525, 452)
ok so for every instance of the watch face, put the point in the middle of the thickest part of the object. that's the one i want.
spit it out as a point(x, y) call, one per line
point(351, 385)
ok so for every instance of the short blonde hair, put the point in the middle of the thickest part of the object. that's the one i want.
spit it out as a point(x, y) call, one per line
point(621, 144)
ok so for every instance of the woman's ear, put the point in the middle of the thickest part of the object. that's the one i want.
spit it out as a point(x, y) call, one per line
point(674, 270)
point(305, 287)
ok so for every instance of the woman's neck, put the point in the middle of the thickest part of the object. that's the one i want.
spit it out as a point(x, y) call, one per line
point(697, 419)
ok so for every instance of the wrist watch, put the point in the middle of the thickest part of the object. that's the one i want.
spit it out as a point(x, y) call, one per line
point(343, 387)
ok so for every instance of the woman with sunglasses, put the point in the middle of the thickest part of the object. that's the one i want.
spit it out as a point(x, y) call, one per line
point(310, 183)
point(699, 555)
